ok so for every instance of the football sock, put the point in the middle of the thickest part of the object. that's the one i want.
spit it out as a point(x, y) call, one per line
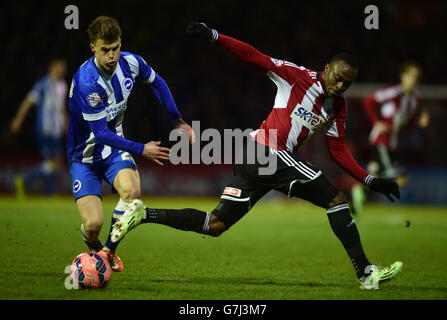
point(184, 219)
point(49, 184)
point(95, 246)
point(32, 175)
point(346, 231)
point(119, 210)
point(49, 174)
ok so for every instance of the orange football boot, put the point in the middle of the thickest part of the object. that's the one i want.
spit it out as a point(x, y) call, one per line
point(113, 259)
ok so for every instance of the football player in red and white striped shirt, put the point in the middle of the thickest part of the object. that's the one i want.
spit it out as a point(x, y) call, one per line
point(306, 101)
point(390, 110)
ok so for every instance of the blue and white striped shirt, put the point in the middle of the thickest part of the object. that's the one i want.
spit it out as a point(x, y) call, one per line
point(49, 96)
point(97, 102)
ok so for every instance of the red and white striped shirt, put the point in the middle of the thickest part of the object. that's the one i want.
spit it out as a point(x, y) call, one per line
point(393, 106)
point(301, 107)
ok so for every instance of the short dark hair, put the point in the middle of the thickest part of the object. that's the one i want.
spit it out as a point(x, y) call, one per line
point(349, 59)
point(105, 28)
point(56, 58)
point(409, 64)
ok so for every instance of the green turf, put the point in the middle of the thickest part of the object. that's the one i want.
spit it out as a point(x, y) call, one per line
point(283, 249)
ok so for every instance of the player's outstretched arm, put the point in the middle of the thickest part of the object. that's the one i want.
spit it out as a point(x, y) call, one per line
point(151, 150)
point(241, 50)
point(343, 157)
point(17, 121)
point(161, 90)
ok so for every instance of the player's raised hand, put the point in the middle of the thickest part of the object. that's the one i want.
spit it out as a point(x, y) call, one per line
point(201, 30)
point(179, 124)
point(154, 152)
point(386, 186)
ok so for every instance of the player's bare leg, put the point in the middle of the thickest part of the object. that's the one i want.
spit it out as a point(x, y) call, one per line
point(127, 183)
point(90, 210)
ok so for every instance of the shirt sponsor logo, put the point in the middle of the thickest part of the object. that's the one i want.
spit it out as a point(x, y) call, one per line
point(93, 99)
point(307, 118)
point(76, 186)
point(114, 109)
point(127, 84)
point(232, 191)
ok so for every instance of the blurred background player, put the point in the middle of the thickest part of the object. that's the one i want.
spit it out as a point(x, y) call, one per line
point(96, 147)
point(391, 110)
point(49, 95)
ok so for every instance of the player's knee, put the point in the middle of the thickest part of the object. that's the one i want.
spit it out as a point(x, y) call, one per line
point(338, 199)
point(216, 227)
point(130, 193)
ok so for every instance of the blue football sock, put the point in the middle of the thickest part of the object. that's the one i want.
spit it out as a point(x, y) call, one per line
point(49, 184)
point(32, 175)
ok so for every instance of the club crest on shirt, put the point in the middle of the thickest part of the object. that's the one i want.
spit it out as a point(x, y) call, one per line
point(93, 99)
point(127, 84)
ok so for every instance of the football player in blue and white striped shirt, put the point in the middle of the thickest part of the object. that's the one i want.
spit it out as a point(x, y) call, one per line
point(49, 95)
point(96, 147)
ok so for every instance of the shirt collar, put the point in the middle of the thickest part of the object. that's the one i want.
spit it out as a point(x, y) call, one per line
point(320, 79)
point(104, 74)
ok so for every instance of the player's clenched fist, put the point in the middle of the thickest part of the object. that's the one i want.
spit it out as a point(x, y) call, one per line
point(386, 186)
point(200, 30)
point(154, 152)
point(179, 124)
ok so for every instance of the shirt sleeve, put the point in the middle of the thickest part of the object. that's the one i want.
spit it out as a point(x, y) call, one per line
point(251, 55)
point(92, 103)
point(142, 71)
point(370, 105)
point(338, 151)
point(36, 93)
point(161, 90)
point(139, 68)
point(93, 111)
point(105, 136)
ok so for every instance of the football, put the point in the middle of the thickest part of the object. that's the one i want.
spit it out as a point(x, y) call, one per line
point(90, 270)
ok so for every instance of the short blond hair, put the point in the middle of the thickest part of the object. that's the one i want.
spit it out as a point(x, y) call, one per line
point(105, 28)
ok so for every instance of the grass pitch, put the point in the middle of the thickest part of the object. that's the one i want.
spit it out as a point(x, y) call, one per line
point(282, 249)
